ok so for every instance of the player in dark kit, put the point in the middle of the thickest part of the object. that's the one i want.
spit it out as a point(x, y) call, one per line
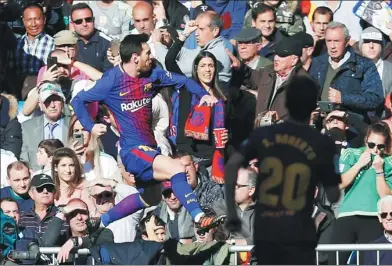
point(127, 90)
point(293, 159)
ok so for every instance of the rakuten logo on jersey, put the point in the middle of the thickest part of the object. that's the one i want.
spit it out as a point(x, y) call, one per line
point(135, 105)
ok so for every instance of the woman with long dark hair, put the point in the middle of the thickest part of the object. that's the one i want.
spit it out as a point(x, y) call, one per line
point(200, 130)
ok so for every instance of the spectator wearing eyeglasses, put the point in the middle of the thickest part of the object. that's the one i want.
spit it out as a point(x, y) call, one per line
point(82, 232)
point(92, 44)
point(366, 177)
point(245, 206)
point(34, 223)
point(384, 208)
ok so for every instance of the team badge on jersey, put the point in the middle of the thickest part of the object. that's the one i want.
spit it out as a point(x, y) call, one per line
point(148, 87)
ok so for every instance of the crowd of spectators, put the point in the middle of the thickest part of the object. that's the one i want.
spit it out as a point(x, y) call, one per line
point(57, 179)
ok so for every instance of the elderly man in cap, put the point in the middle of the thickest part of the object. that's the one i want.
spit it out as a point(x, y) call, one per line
point(271, 82)
point(52, 124)
point(33, 224)
point(249, 46)
point(371, 46)
point(307, 43)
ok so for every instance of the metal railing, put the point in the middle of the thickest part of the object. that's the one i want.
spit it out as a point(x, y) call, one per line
point(235, 249)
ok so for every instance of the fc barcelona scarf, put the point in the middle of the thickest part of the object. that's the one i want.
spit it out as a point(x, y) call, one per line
point(197, 127)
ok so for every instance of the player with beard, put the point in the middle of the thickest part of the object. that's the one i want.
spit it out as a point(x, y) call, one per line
point(293, 159)
point(127, 90)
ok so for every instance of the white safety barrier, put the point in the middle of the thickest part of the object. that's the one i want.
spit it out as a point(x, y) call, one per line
point(235, 249)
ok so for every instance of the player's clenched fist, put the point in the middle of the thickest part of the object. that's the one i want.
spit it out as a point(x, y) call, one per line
point(99, 129)
point(209, 100)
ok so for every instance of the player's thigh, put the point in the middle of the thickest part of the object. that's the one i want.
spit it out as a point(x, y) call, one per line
point(165, 167)
point(138, 160)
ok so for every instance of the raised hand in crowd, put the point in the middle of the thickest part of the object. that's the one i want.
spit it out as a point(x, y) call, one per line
point(115, 60)
point(51, 74)
point(99, 129)
point(334, 96)
point(190, 27)
point(78, 149)
point(389, 26)
point(208, 100)
point(364, 160)
point(235, 62)
point(156, 36)
point(378, 164)
point(159, 10)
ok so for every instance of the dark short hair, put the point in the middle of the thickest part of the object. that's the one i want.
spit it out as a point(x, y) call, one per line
point(323, 10)
point(80, 6)
point(180, 154)
point(9, 200)
point(50, 145)
point(132, 44)
point(301, 97)
point(262, 8)
point(18, 165)
point(33, 5)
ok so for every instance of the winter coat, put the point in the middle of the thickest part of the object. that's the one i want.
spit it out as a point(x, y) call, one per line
point(10, 128)
point(207, 191)
point(263, 80)
point(357, 80)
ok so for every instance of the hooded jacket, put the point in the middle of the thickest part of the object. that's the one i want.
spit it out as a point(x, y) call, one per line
point(10, 128)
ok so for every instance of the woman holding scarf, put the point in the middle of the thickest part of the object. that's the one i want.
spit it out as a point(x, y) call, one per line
point(200, 130)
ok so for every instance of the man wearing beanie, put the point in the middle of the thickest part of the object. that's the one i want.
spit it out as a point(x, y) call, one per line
point(371, 46)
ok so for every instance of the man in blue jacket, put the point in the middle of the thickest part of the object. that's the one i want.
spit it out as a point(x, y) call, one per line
point(345, 77)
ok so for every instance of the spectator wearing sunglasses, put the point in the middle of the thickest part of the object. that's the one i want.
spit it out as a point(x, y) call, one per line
point(179, 223)
point(92, 44)
point(366, 177)
point(34, 224)
point(82, 233)
point(384, 208)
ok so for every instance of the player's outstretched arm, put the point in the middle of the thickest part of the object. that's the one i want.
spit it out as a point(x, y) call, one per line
point(97, 92)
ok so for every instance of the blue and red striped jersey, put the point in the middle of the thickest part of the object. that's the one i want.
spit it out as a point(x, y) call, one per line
point(130, 101)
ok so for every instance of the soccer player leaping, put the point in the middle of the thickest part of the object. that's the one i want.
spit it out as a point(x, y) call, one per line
point(127, 90)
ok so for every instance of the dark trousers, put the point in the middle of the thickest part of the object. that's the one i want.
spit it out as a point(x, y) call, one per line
point(354, 229)
point(289, 254)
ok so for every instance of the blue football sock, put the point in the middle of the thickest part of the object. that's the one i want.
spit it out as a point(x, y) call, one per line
point(185, 195)
point(127, 206)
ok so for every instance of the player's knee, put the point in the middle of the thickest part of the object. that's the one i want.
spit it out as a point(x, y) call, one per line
point(175, 168)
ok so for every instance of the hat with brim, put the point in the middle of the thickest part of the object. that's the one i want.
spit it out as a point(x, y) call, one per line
point(41, 180)
point(49, 89)
point(289, 47)
point(248, 35)
point(65, 37)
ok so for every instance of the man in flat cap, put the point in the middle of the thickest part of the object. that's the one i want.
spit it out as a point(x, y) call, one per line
point(271, 82)
point(307, 42)
point(249, 46)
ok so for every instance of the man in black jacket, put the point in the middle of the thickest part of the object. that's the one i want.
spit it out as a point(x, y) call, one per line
point(10, 128)
point(83, 232)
